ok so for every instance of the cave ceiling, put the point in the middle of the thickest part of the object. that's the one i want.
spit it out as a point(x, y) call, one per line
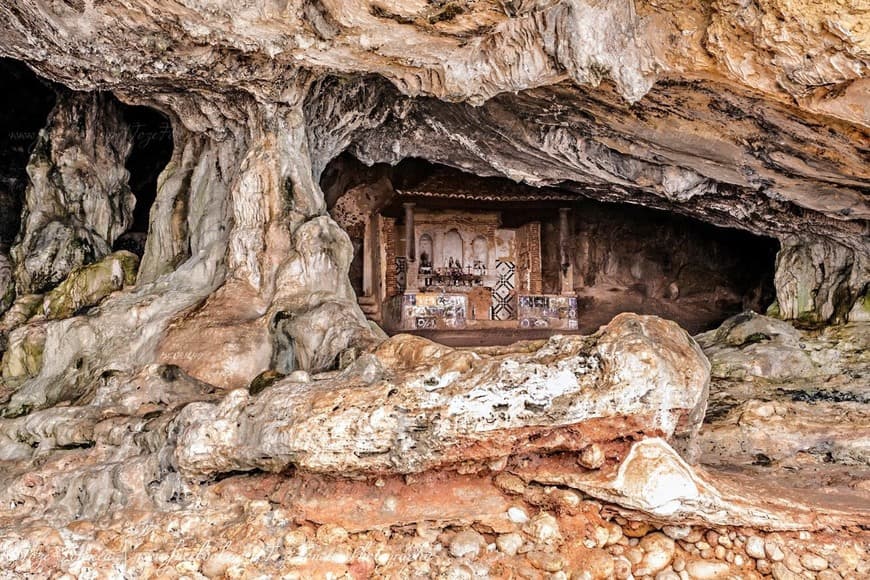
point(727, 100)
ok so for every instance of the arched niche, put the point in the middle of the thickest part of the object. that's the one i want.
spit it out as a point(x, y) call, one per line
point(453, 247)
point(480, 252)
point(425, 248)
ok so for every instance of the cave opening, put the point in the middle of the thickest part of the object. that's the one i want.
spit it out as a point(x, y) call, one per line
point(151, 151)
point(492, 261)
point(487, 254)
point(24, 109)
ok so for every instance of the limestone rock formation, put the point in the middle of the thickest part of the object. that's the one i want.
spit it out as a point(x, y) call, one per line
point(78, 200)
point(231, 412)
point(87, 285)
point(638, 376)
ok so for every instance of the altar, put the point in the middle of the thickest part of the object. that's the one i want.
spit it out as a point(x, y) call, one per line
point(460, 269)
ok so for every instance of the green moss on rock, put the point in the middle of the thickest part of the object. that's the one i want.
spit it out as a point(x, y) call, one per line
point(88, 285)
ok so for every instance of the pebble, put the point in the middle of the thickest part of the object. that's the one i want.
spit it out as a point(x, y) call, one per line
point(458, 571)
point(707, 570)
point(544, 528)
point(793, 563)
point(382, 557)
point(634, 555)
point(466, 543)
point(599, 564)
point(621, 568)
point(509, 543)
point(773, 551)
point(658, 552)
point(602, 536)
point(780, 572)
point(614, 533)
point(667, 575)
point(813, 562)
point(755, 547)
point(567, 499)
point(546, 561)
point(517, 515)
point(677, 532)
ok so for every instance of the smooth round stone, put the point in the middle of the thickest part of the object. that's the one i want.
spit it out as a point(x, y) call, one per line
point(774, 552)
point(707, 570)
point(677, 532)
point(813, 562)
point(658, 552)
point(545, 561)
point(517, 515)
point(544, 528)
point(755, 547)
point(509, 543)
point(466, 543)
point(599, 564)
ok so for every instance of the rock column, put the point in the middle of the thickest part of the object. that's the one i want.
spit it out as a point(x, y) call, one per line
point(78, 201)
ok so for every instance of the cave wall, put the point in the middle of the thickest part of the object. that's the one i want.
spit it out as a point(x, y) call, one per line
point(632, 246)
point(628, 102)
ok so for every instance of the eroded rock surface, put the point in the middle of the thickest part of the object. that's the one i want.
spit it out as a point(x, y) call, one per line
point(790, 402)
point(639, 376)
point(120, 412)
point(78, 200)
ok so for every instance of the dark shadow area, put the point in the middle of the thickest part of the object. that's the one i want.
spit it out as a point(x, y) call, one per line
point(25, 102)
point(152, 150)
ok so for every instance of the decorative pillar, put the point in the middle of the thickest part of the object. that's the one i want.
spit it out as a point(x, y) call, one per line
point(410, 250)
point(566, 257)
point(368, 250)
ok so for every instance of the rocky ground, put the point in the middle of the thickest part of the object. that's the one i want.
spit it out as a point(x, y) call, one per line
point(781, 490)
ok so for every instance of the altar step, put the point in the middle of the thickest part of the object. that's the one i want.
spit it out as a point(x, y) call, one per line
point(371, 307)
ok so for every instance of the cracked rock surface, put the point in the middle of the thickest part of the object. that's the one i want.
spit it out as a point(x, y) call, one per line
point(192, 420)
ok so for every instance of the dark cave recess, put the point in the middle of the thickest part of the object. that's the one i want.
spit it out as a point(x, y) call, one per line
point(24, 110)
point(151, 151)
point(25, 104)
point(625, 257)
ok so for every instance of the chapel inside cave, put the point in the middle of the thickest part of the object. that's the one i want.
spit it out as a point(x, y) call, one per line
point(493, 261)
point(454, 289)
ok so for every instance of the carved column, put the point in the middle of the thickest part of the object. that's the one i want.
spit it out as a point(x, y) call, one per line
point(566, 258)
point(410, 248)
point(409, 231)
point(368, 250)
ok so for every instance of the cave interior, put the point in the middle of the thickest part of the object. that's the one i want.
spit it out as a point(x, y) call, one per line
point(487, 263)
point(520, 310)
point(25, 112)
